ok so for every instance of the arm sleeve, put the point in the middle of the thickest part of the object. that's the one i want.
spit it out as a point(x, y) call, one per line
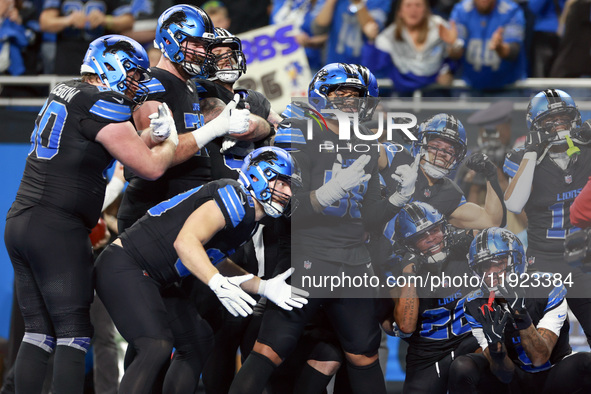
point(580, 210)
point(522, 189)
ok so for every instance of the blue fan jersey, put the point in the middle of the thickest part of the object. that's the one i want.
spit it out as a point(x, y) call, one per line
point(482, 67)
point(345, 39)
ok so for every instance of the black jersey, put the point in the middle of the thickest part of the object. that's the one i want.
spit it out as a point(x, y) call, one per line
point(183, 100)
point(226, 165)
point(66, 167)
point(538, 307)
point(441, 324)
point(342, 226)
point(553, 191)
point(151, 239)
point(445, 195)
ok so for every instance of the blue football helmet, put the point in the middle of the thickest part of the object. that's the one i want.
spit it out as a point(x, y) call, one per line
point(418, 220)
point(232, 63)
point(179, 25)
point(493, 245)
point(263, 165)
point(113, 58)
point(331, 78)
point(448, 128)
point(373, 91)
point(546, 106)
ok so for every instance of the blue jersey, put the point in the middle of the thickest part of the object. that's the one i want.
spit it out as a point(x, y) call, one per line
point(482, 67)
point(345, 39)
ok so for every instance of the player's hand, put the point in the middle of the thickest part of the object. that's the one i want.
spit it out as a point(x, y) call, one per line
point(343, 180)
point(282, 294)
point(515, 297)
point(229, 121)
point(538, 142)
point(406, 176)
point(231, 295)
point(582, 134)
point(491, 317)
point(480, 163)
point(162, 125)
point(237, 120)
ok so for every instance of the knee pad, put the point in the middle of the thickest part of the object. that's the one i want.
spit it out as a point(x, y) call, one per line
point(80, 343)
point(43, 341)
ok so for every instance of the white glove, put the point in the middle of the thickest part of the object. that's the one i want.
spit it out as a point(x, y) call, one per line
point(406, 176)
point(230, 121)
point(282, 294)
point(231, 295)
point(343, 180)
point(162, 126)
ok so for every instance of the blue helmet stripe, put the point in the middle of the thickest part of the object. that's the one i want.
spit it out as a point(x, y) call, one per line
point(232, 204)
point(111, 111)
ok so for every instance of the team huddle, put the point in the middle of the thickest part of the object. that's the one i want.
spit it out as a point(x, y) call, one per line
point(229, 205)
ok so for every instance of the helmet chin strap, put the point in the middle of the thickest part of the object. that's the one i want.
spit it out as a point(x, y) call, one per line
point(438, 257)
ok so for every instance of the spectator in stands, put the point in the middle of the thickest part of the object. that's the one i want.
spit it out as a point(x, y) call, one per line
point(218, 13)
point(301, 15)
point(12, 39)
point(412, 48)
point(349, 24)
point(545, 38)
point(79, 22)
point(247, 14)
point(573, 59)
point(489, 40)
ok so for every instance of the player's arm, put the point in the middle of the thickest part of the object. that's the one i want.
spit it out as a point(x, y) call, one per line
point(51, 21)
point(199, 228)
point(500, 364)
point(538, 342)
point(123, 143)
point(520, 186)
point(406, 309)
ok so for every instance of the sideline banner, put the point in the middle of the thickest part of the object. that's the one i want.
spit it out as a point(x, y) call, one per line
point(276, 64)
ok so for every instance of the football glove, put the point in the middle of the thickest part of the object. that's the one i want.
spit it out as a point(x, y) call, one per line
point(406, 176)
point(492, 318)
point(515, 297)
point(230, 121)
point(162, 126)
point(231, 295)
point(481, 164)
point(582, 134)
point(538, 142)
point(343, 180)
point(282, 294)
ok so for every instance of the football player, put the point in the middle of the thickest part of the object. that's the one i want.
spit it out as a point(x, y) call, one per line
point(441, 146)
point(340, 195)
point(192, 234)
point(546, 176)
point(182, 34)
point(81, 128)
point(521, 327)
point(431, 320)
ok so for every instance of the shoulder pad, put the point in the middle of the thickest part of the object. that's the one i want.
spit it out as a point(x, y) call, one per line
point(155, 86)
point(289, 133)
point(112, 106)
point(233, 203)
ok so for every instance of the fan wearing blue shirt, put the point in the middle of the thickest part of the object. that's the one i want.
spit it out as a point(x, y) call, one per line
point(490, 42)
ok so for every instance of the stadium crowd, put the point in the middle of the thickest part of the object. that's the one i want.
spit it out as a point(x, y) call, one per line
point(225, 214)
